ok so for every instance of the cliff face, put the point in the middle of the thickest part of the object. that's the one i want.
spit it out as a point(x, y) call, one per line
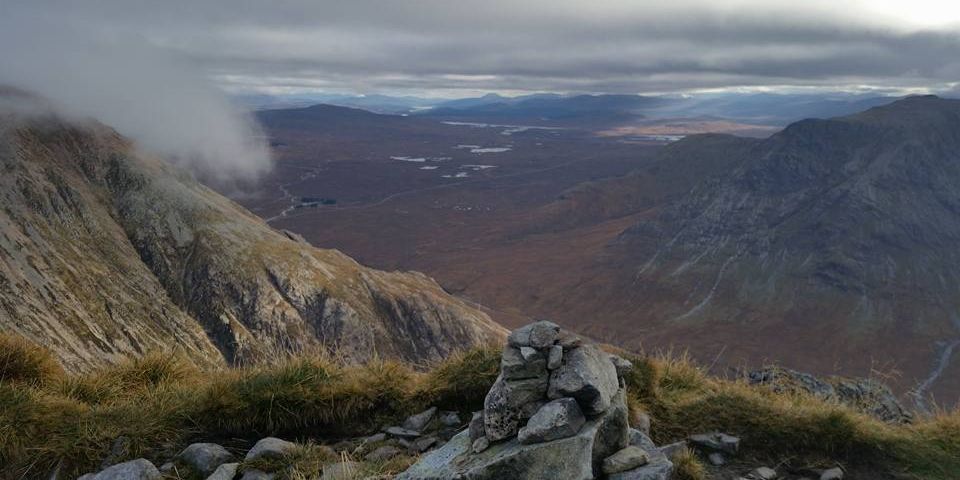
point(107, 252)
point(833, 241)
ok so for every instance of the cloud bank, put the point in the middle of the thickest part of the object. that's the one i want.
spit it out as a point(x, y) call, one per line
point(628, 46)
point(147, 93)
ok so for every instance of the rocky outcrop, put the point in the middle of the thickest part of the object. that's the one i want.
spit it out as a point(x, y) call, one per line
point(108, 252)
point(867, 395)
point(543, 420)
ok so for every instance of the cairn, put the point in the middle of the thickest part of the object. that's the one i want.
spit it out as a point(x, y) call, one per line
point(557, 411)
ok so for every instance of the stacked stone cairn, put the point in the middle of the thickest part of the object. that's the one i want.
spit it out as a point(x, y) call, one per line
point(557, 411)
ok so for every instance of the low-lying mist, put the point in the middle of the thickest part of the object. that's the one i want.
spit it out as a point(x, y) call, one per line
point(162, 102)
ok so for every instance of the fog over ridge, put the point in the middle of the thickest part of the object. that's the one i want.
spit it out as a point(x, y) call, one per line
point(163, 102)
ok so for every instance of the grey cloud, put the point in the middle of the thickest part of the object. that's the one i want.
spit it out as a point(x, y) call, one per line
point(165, 104)
point(560, 45)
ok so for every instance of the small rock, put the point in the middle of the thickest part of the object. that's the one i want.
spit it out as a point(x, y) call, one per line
point(204, 458)
point(626, 459)
point(270, 447)
point(257, 475)
point(514, 367)
point(558, 419)
point(555, 357)
point(139, 469)
point(375, 438)
point(476, 426)
point(480, 445)
point(588, 375)
point(529, 354)
point(672, 449)
point(421, 445)
point(167, 468)
point(401, 432)
point(341, 471)
point(344, 446)
point(420, 421)
point(225, 472)
point(540, 334)
point(720, 442)
point(716, 459)
point(544, 334)
point(658, 467)
point(835, 473)
point(450, 419)
point(764, 473)
point(296, 237)
point(382, 454)
point(622, 365)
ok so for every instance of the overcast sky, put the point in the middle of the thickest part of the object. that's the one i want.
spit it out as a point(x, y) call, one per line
point(448, 47)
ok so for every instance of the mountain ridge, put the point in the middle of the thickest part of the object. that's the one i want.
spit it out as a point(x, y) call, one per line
point(110, 252)
point(839, 229)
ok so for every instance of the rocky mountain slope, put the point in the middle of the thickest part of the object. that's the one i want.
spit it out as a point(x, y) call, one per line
point(832, 243)
point(106, 252)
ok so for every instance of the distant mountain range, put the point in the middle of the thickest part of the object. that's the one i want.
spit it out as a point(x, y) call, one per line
point(772, 109)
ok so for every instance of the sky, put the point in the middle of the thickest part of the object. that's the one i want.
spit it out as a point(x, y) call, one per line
point(163, 72)
point(450, 48)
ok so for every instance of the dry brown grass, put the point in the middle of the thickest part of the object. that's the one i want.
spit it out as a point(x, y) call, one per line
point(161, 403)
point(22, 361)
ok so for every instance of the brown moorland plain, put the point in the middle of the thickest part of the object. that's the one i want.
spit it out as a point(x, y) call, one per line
point(567, 223)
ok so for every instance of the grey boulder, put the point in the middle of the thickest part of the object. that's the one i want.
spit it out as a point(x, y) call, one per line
point(420, 421)
point(832, 474)
point(401, 432)
point(139, 469)
point(588, 375)
point(716, 441)
point(540, 334)
point(227, 471)
point(204, 458)
point(671, 449)
point(270, 447)
point(504, 405)
point(383, 454)
point(480, 445)
point(658, 466)
point(476, 427)
point(341, 471)
point(555, 357)
point(627, 458)
point(716, 459)
point(558, 419)
point(764, 473)
point(513, 365)
point(257, 475)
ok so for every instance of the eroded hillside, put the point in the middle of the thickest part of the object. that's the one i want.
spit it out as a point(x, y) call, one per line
point(109, 252)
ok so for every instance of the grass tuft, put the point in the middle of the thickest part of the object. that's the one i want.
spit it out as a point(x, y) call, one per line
point(461, 382)
point(686, 466)
point(22, 361)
